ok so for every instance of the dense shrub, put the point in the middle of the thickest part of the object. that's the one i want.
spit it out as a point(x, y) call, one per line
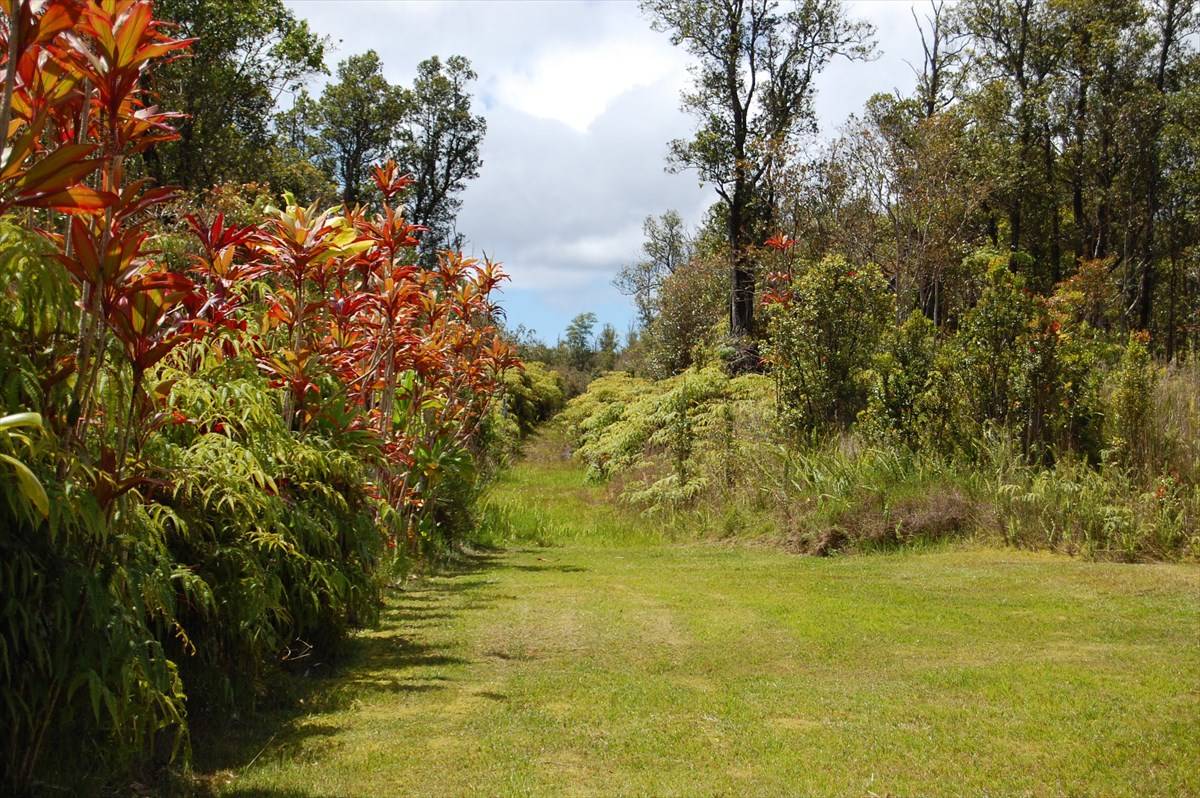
point(994, 429)
point(1131, 432)
point(987, 352)
point(282, 528)
point(1018, 362)
point(673, 439)
point(533, 394)
point(824, 331)
point(690, 302)
point(901, 382)
point(220, 434)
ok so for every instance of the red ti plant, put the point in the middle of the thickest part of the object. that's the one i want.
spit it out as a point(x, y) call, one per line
point(41, 167)
point(779, 280)
point(391, 292)
point(229, 259)
point(73, 109)
point(305, 253)
point(150, 316)
point(111, 48)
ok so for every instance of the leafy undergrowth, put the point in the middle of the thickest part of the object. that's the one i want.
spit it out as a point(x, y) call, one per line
point(701, 453)
point(595, 657)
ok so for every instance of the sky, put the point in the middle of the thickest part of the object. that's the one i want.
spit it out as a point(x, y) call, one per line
point(581, 98)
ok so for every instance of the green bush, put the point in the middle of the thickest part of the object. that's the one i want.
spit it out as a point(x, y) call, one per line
point(822, 338)
point(1130, 429)
point(987, 352)
point(533, 394)
point(1019, 362)
point(673, 439)
point(900, 383)
point(281, 529)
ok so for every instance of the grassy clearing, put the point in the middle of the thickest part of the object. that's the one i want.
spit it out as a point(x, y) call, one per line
point(613, 663)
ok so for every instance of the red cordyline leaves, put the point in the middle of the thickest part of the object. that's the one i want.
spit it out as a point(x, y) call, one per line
point(780, 242)
point(417, 350)
point(228, 254)
point(778, 289)
point(389, 181)
point(36, 88)
point(77, 62)
point(74, 109)
point(149, 315)
point(114, 43)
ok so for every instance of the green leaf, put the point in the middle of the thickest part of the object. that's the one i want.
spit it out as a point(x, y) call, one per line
point(21, 420)
point(30, 486)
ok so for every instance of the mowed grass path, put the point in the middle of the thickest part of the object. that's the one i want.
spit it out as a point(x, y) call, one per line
point(611, 664)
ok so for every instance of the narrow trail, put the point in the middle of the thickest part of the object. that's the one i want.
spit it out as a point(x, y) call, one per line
point(594, 667)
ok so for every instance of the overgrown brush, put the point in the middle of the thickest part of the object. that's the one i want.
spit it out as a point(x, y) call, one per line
point(1025, 426)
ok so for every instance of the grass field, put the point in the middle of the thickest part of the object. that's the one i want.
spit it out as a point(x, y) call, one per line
point(617, 663)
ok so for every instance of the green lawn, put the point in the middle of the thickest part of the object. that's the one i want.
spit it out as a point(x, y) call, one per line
point(618, 663)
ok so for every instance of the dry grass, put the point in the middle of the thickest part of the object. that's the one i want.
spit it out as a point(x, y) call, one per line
point(938, 513)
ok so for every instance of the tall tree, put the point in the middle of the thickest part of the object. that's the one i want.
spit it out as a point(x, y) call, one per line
point(1175, 21)
point(580, 350)
point(1018, 47)
point(359, 115)
point(438, 143)
point(752, 95)
point(943, 52)
point(607, 343)
point(247, 53)
point(667, 246)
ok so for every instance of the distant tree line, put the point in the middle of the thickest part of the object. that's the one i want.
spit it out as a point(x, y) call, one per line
point(579, 354)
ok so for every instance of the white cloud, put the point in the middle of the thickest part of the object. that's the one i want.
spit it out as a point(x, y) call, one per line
point(575, 85)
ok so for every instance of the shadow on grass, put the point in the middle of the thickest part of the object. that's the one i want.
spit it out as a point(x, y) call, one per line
point(392, 658)
point(561, 569)
point(281, 792)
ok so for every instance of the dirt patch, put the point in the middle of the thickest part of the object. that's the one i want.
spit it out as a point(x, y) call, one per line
point(938, 514)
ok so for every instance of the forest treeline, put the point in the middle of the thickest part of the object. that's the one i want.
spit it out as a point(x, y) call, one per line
point(974, 309)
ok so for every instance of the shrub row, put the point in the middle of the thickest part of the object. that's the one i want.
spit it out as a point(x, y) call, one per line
point(219, 435)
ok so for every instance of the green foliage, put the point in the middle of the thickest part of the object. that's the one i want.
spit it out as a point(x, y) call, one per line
point(533, 394)
point(282, 529)
point(824, 336)
point(901, 382)
point(689, 303)
point(248, 52)
point(87, 605)
point(13, 433)
point(988, 354)
point(1023, 362)
point(1131, 425)
point(669, 440)
point(1078, 508)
